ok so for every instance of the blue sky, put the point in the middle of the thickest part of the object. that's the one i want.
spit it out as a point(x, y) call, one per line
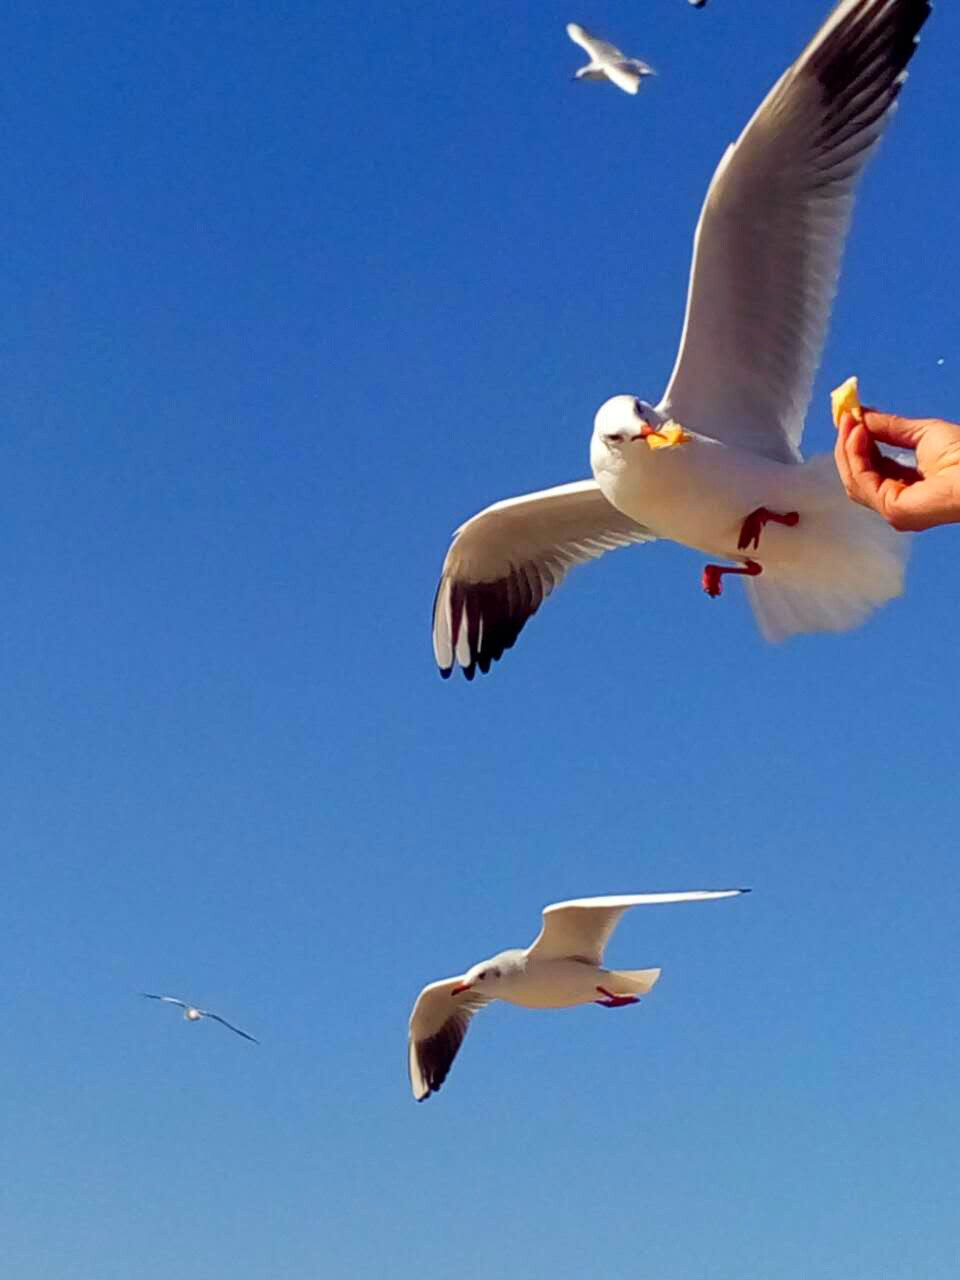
point(291, 289)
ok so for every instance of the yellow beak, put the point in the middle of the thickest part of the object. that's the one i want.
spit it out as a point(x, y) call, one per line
point(668, 436)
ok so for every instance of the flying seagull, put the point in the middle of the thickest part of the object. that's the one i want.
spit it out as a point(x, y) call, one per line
point(716, 465)
point(193, 1014)
point(562, 968)
point(607, 62)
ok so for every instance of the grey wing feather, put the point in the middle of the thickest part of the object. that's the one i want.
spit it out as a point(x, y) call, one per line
point(637, 64)
point(166, 999)
point(223, 1022)
point(769, 242)
point(504, 562)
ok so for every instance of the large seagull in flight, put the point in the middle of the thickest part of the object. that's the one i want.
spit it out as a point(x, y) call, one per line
point(716, 465)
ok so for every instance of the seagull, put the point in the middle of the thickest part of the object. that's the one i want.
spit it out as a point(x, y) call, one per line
point(716, 465)
point(562, 968)
point(607, 62)
point(192, 1014)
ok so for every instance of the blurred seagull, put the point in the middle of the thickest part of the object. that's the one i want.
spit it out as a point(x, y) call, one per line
point(193, 1014)
point(560, 969)
point(716, 465)
point(607, 62)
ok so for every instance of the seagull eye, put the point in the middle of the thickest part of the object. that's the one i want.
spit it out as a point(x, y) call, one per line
point(481, 976)
point(616, 438)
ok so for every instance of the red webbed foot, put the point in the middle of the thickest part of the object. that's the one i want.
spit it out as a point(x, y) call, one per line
point(752, 527)
point(615, 1002)
point(712, 579)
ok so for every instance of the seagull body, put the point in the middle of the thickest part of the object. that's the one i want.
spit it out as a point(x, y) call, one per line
point(192, 1014)
point(563, 967)
point(716, 464)
point(825, 563)
point(607, 62)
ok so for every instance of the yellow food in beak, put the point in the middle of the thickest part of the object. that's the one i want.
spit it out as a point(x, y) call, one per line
point(667, 436)
point(846, 399)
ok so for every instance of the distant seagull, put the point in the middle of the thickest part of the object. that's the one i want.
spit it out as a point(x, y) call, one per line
point(560, 969)
point(716, 465)
point(697, 4)
point(607, 62)
point(193, 1014)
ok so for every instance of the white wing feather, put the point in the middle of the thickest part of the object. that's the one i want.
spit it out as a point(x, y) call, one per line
point(504, 562)
point(600, 51)
point(438, 1023)
point(582, 927)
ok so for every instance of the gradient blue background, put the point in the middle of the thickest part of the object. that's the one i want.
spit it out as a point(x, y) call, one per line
point(290, 290)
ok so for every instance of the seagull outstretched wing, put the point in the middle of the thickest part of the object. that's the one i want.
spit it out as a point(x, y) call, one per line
point(767, 249)
point(438, 1023)
point(598, 50)
point(582, 927)
point(205, 1013)
point(182, 1004)
point(505, 561)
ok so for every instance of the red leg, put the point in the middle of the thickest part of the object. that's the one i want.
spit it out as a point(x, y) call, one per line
point(615, 1002)
point(752, 527)
point(713, 573)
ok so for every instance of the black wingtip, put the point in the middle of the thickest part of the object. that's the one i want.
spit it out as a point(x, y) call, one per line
point(445, 672)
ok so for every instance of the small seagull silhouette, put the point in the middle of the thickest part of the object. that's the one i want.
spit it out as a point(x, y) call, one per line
point(193, 1014)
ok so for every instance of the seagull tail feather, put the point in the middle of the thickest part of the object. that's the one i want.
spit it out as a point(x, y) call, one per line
point(632, 982)
point(851, 563)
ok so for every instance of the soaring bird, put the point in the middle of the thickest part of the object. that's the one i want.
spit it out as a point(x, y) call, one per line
point(561, 968)
point(716, 464)
point(607, 62)
point(192, 1014)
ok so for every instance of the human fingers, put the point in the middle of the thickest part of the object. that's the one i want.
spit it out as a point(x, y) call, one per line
point(856, 456)
point(892, 429)
point(872, 480)
point(844, 427)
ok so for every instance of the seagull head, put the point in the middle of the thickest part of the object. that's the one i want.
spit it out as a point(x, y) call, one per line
point(485, 976)
point(191, 1014)
point(622, 423)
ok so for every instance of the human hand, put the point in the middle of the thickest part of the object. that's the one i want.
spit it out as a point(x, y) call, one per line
point(908, 498)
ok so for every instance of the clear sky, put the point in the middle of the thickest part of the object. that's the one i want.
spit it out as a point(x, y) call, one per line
point(290, 290)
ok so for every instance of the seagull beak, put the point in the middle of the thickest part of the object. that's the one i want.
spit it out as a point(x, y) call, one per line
point(669, 435)
point(459, 989)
